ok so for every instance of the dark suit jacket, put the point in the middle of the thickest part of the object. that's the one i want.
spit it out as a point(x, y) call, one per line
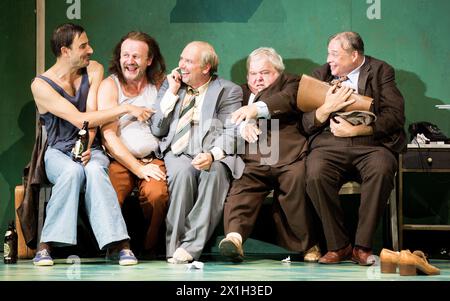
point(377, 80)
point(280, 98)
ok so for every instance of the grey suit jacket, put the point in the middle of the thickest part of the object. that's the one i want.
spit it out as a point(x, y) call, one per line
point(221, 99)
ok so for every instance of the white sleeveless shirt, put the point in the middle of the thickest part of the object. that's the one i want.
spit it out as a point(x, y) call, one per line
point(136, 135)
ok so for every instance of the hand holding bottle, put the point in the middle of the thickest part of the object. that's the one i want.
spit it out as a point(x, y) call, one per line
point(81, 144)
point(86, 156)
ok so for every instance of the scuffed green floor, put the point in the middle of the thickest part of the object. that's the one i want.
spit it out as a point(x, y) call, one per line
point(98, 269)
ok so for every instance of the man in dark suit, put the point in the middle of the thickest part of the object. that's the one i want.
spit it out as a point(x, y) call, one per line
point(339, 149)
point(198, 143)
point(270, 95)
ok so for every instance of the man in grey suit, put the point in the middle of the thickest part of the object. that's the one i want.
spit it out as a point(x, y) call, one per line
point(198, 144)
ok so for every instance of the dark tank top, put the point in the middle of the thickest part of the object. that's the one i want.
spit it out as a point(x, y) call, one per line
point(61, 134)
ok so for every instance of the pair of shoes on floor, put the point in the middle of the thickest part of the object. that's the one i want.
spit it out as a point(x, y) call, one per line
point(357, 254)
point(312, 254)
point(180, 256)
point(126, 257)
point(409, 264)
point(43, 258)
point(231, 247)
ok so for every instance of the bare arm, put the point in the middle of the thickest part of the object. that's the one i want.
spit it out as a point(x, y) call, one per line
point(48, 100)
point(95, 72)
point(108, 99)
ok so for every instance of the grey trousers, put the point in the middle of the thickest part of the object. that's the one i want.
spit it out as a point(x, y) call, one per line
point(196, 201)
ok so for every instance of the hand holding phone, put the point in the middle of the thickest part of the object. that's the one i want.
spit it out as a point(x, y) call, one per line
point(174, 79)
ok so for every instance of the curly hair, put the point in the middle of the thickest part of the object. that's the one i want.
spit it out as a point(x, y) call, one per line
point(155, 73)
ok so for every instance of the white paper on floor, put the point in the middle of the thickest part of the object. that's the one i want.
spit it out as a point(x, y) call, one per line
point(195, 265)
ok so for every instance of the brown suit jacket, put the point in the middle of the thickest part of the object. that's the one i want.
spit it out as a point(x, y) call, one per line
point(377, 80)
point(280, 98)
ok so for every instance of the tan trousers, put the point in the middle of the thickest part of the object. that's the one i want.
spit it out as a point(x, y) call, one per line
point(153, 197)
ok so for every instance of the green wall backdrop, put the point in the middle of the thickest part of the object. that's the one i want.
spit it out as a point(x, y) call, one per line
point(17, 117)
point(412, 35)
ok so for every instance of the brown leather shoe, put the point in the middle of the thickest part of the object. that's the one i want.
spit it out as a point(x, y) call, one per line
point(412, 263)
point(231, 247)
point(363, 256)
point(389, 261)
point(337, 256)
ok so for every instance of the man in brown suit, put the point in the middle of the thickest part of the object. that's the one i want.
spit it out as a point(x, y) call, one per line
point(270, 95)
point(339, 150)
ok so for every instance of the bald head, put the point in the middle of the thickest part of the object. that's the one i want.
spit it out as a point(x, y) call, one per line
point(208, 55)
point(198, 62)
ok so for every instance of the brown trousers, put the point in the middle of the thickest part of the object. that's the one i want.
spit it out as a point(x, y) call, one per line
point(328, 167)
point(153, 197)
point(292, 212)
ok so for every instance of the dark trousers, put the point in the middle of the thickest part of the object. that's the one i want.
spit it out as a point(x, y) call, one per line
point(328, 167)
point(292, 212)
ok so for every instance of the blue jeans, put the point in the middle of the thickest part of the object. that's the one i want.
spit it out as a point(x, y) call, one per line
point(69, 179)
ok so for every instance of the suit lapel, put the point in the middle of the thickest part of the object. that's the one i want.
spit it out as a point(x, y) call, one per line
point(363, 76)
point(181, 95)
point(176, 112)
point(209, 105)
point(246, 91)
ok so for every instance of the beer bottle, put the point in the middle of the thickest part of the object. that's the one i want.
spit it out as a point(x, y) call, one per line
point(10, 244)
point(81, 144)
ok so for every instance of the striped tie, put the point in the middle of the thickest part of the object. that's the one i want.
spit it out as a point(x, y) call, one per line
point(183, 132)
point(339, 80)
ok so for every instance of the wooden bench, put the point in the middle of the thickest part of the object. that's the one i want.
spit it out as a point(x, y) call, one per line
point(348, 188)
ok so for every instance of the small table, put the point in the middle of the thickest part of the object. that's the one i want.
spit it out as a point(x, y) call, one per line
point(421, 158)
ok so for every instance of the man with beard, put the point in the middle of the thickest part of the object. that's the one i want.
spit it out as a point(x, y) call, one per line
point(137, 71)
point(66, 96)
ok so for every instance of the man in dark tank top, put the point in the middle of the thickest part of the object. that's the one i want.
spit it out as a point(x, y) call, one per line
point(65, 96)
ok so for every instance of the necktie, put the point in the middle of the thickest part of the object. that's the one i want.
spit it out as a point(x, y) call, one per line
point(339, 80)
point(183, 132)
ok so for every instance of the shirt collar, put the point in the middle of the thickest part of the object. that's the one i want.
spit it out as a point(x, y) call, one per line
point(355, 72)
point(203, 87)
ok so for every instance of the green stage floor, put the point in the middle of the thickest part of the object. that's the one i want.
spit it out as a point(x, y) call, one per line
point(99, 269)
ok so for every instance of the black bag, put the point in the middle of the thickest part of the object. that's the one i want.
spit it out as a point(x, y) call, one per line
point(429, 130)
